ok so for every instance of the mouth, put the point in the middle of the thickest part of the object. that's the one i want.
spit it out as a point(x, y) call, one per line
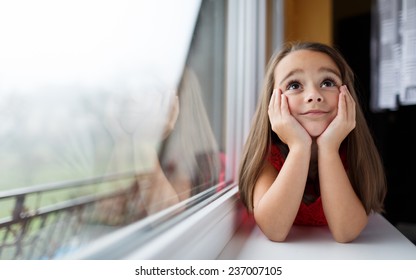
point(314, 113)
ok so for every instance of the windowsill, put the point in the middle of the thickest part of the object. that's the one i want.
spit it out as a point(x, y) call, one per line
point(200, 235)
point(379, 240)
point(203, 235)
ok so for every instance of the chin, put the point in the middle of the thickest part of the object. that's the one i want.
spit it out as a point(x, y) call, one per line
point(315, 135)
point(315, 131)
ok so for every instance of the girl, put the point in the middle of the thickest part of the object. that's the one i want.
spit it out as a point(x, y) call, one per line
point(309, 158)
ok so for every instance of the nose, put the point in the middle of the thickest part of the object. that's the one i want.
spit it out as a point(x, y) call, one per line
point(314, 95)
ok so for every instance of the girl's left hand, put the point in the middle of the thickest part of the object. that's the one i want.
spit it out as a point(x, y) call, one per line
point(342, 124)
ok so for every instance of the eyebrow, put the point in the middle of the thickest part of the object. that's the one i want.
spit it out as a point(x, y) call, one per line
point(320, 70)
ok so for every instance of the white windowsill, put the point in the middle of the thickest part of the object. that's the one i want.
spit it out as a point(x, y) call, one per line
point(201, 236)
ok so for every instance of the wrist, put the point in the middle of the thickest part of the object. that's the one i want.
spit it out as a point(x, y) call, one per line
point(328, 150)
point(300, 147)
point(327, 146)
point(300, 144)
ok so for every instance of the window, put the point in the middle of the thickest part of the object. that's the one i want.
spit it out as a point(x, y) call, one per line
point(114, 130)
point(88, 104)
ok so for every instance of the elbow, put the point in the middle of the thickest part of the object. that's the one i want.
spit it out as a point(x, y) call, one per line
point(343, 238)
point(274, 229)
point(346, 235)
point(347, 231)
point(275, 234)
point(277, 237)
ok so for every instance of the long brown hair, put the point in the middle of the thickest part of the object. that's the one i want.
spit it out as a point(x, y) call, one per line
point(365, 169)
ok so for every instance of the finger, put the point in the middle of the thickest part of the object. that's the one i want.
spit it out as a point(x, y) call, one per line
point(350, 103)
point(277, 103)
point(272, 100)
point(342, 106)
point(284, 105)
point(348, 97)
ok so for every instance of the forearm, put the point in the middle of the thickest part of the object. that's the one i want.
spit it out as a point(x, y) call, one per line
point(277, 208)
point(158, 193)
point(343, 209)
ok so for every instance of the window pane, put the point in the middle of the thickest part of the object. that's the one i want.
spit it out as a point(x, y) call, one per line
point(87, 108)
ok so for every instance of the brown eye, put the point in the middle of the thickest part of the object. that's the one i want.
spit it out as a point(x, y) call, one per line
point(328, 83)
point(293, 86)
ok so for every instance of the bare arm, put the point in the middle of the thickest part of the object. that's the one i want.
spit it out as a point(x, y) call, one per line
point(157, 192)
point(344, 211)
point(277, 196)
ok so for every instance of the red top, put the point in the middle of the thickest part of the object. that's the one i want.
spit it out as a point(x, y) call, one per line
point(311, 214)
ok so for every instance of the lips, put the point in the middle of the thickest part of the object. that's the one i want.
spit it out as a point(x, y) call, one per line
point(315, 112)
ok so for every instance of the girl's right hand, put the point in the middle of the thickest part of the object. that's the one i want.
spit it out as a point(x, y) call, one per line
point(289, 130)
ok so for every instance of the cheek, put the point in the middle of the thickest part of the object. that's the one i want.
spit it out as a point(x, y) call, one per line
point(334, 103)
point(332, 99)
point(293, 103)
point(334, 106)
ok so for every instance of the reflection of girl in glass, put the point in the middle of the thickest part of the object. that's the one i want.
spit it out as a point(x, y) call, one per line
point(188, 162)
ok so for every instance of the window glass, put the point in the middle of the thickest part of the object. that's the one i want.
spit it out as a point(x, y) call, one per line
point(190, 159)
point(104, 116)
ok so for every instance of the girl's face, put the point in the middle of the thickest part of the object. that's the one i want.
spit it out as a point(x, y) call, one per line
point(311, 82)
